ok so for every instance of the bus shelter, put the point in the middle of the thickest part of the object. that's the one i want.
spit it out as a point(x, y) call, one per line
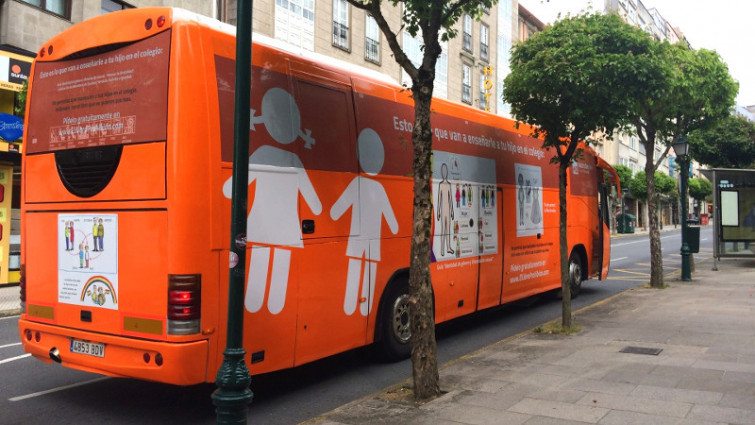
point(734, 212)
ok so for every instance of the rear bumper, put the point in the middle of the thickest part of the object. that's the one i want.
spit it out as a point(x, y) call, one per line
point(183, 363)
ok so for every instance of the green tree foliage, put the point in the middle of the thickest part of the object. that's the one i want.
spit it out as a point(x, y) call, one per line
point(19, 109)
point(700, 188)
point(429, 20)
point(625, 175)
point(663, 183)
point(693, 90)
point(728, 144)
point(575, 78)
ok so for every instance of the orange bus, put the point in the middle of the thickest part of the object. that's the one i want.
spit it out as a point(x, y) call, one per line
point(126, 209)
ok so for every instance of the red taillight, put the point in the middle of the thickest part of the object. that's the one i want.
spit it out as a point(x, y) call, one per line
point(42, 52)
point(160, 21)
point(184, 297)
point(27, 334)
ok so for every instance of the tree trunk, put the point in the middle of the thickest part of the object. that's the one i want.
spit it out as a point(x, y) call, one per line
point(656, 255)
point(424, 348)
point(563, 247)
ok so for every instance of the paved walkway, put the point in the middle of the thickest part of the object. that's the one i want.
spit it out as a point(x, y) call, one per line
point(704, 373)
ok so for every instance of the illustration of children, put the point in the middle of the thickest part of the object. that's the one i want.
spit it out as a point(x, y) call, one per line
point(458, 194)
point(86, 255)
point(369, 204)
point(81, 256)
point(445, 210)
point(100, 235)
point(94, 234)
point(70, 234)
point(273, 226)
point(67, 236)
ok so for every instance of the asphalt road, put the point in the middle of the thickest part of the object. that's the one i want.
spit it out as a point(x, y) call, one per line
point(32, 392)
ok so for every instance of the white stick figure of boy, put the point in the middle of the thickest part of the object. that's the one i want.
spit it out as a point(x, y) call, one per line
point(273, 222)
point(369, 204)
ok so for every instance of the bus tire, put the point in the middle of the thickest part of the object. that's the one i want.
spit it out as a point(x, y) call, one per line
point(395, 327)
point(575, 274)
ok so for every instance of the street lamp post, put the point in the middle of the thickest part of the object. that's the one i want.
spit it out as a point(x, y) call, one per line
point(681, 148)
point(233, 379)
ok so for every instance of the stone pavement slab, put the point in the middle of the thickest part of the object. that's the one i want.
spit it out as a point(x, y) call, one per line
point(704, 374)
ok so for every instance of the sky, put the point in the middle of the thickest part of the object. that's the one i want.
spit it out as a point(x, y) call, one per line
point(725, 26)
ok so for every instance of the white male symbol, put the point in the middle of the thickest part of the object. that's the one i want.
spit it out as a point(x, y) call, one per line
point(369, 204)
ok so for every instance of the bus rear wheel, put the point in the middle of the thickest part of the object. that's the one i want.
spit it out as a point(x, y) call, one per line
point(396, 327)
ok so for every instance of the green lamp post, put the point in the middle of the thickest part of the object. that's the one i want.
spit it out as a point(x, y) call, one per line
point(681, 149)
point(233, 379)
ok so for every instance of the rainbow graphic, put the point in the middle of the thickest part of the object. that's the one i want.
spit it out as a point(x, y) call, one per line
point(104, 286)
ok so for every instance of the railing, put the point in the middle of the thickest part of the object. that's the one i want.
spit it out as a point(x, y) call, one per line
point(371, 50)
point(340, 35)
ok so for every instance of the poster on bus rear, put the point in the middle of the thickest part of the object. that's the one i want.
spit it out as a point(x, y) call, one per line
point(88, 260)
point(115, 97)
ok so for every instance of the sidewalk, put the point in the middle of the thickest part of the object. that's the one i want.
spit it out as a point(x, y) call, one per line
point(704, 373)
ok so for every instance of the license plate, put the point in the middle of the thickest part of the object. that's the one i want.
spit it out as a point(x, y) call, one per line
point(96, 349)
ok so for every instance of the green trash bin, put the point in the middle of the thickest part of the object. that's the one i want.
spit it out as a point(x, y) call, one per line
point(626, 223)
point(693, 238)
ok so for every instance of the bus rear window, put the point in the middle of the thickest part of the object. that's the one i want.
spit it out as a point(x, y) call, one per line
point(112, 98)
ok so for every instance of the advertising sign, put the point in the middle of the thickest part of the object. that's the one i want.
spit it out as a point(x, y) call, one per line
point(113, 98)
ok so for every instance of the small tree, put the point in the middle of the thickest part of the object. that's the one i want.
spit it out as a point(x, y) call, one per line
point(700, 188)
point(20, 108)
point(625, 175)
point(573, 79)
point(728, 144)
point(424, 18)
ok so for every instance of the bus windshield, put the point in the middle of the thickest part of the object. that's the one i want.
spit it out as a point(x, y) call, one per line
point(110, 98)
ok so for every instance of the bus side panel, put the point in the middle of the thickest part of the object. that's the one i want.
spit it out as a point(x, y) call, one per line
point(141, 169)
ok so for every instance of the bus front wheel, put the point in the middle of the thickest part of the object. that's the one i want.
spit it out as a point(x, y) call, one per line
point(396, 329)
point(575, 274)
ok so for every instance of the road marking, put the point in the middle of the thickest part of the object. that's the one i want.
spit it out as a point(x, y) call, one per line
point(628, 243)
point(14, 358)
point(10, 317)
point(10, 345)
point(631, 272)
point(618, 259)
point(53, 390)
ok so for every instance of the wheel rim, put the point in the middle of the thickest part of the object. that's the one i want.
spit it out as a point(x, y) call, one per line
point(401, 329)
point(575, 274)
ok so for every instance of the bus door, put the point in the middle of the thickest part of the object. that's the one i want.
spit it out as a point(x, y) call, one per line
point(329, 198)
point(491, 248)
point(603, 247)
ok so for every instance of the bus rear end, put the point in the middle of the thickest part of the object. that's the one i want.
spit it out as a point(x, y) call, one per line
point(117, 259)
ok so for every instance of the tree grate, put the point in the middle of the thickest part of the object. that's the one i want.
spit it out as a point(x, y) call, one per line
point(641, 350)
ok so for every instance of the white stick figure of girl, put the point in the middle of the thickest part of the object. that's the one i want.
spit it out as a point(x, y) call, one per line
point(273, 226)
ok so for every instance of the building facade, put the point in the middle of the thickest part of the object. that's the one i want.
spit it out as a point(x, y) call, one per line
point(469, 71)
